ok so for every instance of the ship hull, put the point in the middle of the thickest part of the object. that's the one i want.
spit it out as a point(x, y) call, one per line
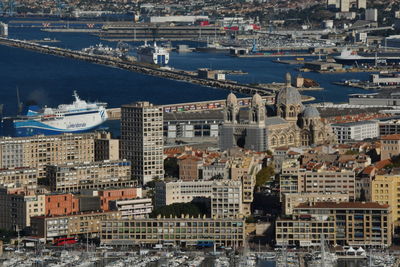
point(380, 58)
point(68, 124)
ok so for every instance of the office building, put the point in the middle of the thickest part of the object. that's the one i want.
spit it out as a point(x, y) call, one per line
point(168, 193)
point(226, 199)
point(77, 224)
point(139, 208)
point(89, 175)
point(19, 178)
point(142, 140)
point(292, 200)
point(346, 223)
point(371, 14)
point(390, 146)
point(183, 232)
point(356, 131)
point(389, 127)
point(385, 190)
point(39, 151)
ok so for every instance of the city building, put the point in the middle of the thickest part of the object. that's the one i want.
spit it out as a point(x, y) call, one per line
point(39, 151)
point(344, 5)
point(34, 206)
point(292, 125)
point(189, 167)
point(371, 14)
point(19, 178)
point(13, 211)
point(167, 193)
point(142, 140)
point(345, 223)
point(77, 224)
point(61, 204)
point(382, 98)
point(106, 148)
point(226, 199)
point(390, 146)
point(385, 190)
point(292, 200)
point(184, 232)
point(139, 208)
point(389, 127)
point(215, 169)
point(356, 131)
point(362, 4)
point(89, 175)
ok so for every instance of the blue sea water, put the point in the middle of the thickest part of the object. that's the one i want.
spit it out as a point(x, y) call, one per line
point(50, 80)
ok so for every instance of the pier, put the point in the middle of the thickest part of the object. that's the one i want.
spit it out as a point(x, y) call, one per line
point(135, 66)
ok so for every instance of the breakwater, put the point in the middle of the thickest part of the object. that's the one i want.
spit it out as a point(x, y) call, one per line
point(135, 66)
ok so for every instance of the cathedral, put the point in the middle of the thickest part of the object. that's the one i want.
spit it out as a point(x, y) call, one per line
point(286, 124)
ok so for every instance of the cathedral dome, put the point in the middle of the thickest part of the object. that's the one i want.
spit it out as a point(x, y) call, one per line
point(232, 99)
point(310, 112)
point(289, 96)
point(256, 100)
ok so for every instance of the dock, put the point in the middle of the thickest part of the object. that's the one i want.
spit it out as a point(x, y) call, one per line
point(276, 55)
point(138, 67)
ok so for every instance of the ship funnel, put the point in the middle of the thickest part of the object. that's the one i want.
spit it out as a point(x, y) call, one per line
point(76, 96)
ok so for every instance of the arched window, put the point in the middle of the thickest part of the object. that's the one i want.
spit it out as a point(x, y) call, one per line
point(282, 140)
point(291, 139)
point(273, 141)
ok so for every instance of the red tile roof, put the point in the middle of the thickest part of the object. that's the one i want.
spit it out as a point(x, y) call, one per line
point(391, 137)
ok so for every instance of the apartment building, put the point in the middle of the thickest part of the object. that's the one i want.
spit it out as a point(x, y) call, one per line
point(61, 204)
point(345, 223)
point(390, 146)
point(385, 189)
point(139, 208)
point(189, 168)
point(106, 148)
point(227, 199)
point(34, 206)
point(183, 231)
point(356, 131)
point(82, 223)
point(142, 140)
point(89, 175)
point(292, 200)
point(39, 151)
point(167, 193)
point(215, 169)
point(13, 211)
point(19, 178)
point(291, 178)
point(326, 181)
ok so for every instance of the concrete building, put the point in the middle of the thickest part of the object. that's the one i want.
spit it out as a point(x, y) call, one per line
point(362, 4)
point(345, 223)
point(329, 182)
point(13, 211)
point(356, 131)
point(106, 148)
point(344, 5)
point(226, 199)
point(19, 178)
point(34, 206)
point(78, 224)
point(39, 151)
point(142, 140)
point(169, 19)
point(189, 168)
point(139, 208)
point(184, 232)
point(61, 204)
point(90, 175)
point(389, 127)
point(371, 14)
point(390, 146)
point(322, 66)
point(386, 80)
point(215, 169)
point(292, 200)
point(383, 98)
point(168, 193)
point(385, 190)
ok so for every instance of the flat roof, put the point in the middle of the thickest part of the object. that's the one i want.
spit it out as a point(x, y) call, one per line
point(342, 205)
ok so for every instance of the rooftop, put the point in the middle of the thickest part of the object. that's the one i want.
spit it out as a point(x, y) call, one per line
point(342, 205)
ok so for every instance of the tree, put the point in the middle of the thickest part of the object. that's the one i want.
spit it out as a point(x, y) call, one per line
point(264, 175)
point(171, 167)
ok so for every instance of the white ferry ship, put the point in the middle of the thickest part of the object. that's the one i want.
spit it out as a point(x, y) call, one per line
point(153, 54)
point(80, 116)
